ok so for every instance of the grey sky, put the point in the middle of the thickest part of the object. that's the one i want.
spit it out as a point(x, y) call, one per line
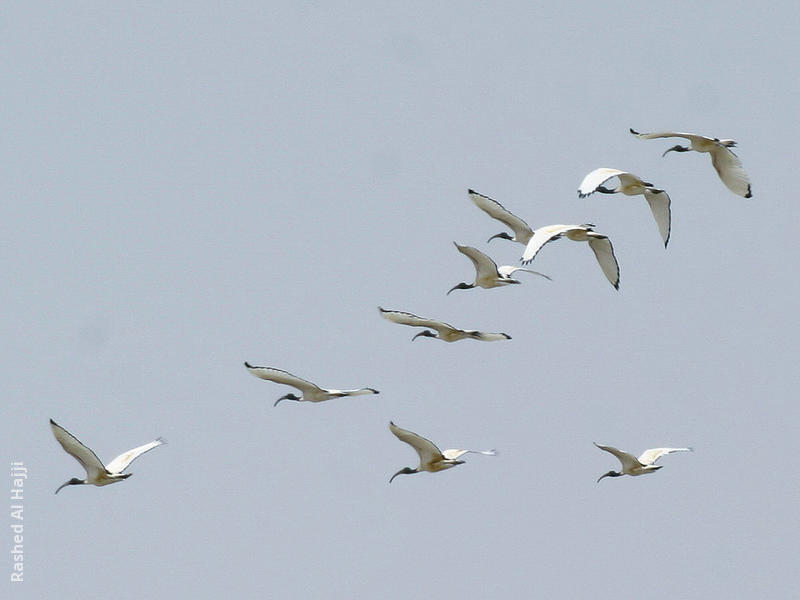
point(190, 186)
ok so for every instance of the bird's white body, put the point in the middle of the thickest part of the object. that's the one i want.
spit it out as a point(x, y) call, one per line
point(638, 466)
point(311, 392)
point(725, 162)
point(631, 185)
point(96, 472)
point(599, 243)
point(487, 274)
point(522, 231)
point(431, 459)
point(444, 331)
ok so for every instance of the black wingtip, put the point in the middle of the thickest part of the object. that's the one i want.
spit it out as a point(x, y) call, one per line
point(749, 193)
point(248, 365)
point(633, 131)
point(53, 422)
point(471, 191)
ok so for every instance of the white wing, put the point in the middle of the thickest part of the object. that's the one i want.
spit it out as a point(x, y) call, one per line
point(628, 461)
point(660, 207)
point(595, 179)
point(284, 377)
point(522, 231)
point(508, 271)
point(121, 462)
point(427, 450)
point(453, 453)
point(485, 267)
point(649, 457)
point(72, 445)
point(692, 137)
point(405, 318)
point(543, 235)
point(604, 252)
point(730, 171)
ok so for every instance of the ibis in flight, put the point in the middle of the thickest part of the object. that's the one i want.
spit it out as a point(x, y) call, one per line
point(726, 163)
point(638, 466)
point(96, 472)
point(599, 243)
point(311, 391)
point(487, 273)
point(631, 185)
point(431, 459)
point(522, 231)
point(444, 331)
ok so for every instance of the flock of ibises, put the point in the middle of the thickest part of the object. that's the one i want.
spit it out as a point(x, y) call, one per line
point(487, 275)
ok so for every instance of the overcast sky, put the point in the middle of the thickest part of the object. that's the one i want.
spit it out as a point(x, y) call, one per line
point(189, 186)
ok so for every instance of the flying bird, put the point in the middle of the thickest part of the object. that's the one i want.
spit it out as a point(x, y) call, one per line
point(487, 273)
point(599, 243)
point(431, 459)
point(638, 466)
point(631, 185)
point(444, 331)
point(727, 164)
point(96, 472)
point(311, 392)
point(522, 231)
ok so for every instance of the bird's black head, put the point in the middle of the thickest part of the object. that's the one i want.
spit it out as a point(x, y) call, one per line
point(424, 333)
point(677, 148)
point(460, 286)
point(504, 235)
point(287, 397)
point(610, 474)
point(404, 471)
point(73, 481)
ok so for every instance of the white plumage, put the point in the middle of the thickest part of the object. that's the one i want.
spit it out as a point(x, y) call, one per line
point(599, 243)
point(431, 459)
point(638, 466)
point(311, 391)
point(631, 185)
point(522, 231)
point(96, 472)
point(726, 163)
point(487, 273)
point(444, 331)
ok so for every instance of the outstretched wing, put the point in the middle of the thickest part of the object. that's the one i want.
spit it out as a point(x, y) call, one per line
point(427, 450)
point(692, 137)
point(484, 265)
point(628, 461)
point(595, 179)
point(406, 318)
point(281, 376)
point(660, 207)
point(453, 453)
point(541, 236)
point(730, 171)
point(522, 231)
point(121, 462)
point(604, 252)
point(73, 446)
point(649, 457)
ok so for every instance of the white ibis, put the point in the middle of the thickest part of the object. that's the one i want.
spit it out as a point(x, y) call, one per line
point(599, 243)
point(431, 459)
point(96, 472)
point(487, 273)
point(638, 466)
point(311, 392)
point(631, 185)
point(522, 231)
point(727, 164)
point(444, 331)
